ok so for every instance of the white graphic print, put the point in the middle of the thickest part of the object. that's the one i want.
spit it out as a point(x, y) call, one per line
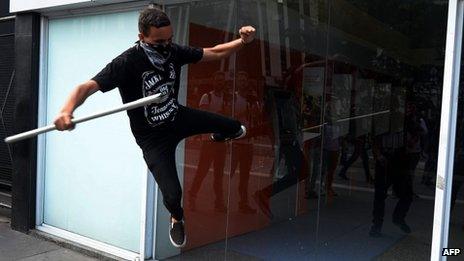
point(152, 83)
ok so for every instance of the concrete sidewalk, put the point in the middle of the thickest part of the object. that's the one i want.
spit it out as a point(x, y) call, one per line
point(18, 246)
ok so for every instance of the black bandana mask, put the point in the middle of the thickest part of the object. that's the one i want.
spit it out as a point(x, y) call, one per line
point(163, 49)
point(158, 54)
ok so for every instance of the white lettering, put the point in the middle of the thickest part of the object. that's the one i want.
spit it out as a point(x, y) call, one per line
point(157, 110)
point(172, 72)
point(451, 251)
point(152, 81)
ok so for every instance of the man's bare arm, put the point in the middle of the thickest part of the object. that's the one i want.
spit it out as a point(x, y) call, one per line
point(221, 51)
point(74, 100)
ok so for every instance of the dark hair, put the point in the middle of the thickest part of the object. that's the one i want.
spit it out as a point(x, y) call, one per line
point(152, 16)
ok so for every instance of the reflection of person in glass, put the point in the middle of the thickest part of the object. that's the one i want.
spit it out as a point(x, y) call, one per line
point(416, 131)
point(312, 146)
point(212, 152)
point(245, 110)
point(392, 169)
point(330, 153)
point(431, 144)
point(359, 150)
point(331, 148)
point(286, 118)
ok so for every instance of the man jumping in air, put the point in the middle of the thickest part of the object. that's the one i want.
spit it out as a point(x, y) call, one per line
point(151, 66)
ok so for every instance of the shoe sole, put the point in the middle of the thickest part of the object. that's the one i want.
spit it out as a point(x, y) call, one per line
point(244, 131)
point(176, 245)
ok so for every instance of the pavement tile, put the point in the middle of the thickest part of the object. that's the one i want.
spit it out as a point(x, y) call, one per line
point(15, 245)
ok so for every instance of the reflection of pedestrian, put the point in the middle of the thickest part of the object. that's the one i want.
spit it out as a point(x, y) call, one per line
point(242, 156)
point(246, 108)
point(313, 154)
point(330, 154)
point(331, 150)
point(312, 147)
point(391, 169)
point(431, 145)
point(286, 118)
point(416, 131)
point(359, 150)
point(212, 153)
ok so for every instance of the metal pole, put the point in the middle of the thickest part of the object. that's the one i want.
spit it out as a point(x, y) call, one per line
point(7, 18)
point(124, 107)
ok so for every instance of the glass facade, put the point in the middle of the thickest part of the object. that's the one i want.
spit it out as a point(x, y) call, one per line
point(342, 102)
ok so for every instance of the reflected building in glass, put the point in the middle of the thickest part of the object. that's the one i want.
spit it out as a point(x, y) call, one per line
point(343, 111)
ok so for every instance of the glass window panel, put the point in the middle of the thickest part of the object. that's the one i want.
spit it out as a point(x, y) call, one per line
point(279, 84)
point(342, 103)
point(379, 192)
point(94, 175)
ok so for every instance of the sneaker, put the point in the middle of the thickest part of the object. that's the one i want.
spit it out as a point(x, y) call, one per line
point(177, 234)
point(218, 137)
point(403, 226)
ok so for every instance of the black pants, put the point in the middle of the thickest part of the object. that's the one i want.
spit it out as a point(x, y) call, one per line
point(392, 172)
point(159, 149)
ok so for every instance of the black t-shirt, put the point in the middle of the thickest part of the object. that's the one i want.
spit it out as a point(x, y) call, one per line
point(136, 77)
